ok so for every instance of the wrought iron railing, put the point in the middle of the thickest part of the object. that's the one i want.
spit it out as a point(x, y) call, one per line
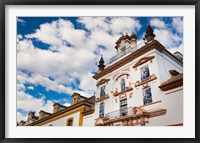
point(123, 53)
point(120, 113)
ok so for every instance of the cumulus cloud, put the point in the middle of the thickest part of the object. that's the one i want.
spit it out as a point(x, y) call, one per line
point(37, 79)
point(34, 104)
point(19, 37)
point(89, 87)
point(114, 25)
point(177, 23)
point(82, 51)
point(156, 22)
point(165, 32)
point(20, 117)
point(177, 49)
point(167, 38)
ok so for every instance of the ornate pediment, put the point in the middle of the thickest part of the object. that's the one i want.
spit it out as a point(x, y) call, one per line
point(102, 81)
point(145, 83)
point(143, 60)
point(102, 98)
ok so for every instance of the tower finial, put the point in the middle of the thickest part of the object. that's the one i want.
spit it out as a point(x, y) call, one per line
point(149, 34)
point(101, 64)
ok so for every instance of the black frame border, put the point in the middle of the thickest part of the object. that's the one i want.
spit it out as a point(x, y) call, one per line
point(4, 3)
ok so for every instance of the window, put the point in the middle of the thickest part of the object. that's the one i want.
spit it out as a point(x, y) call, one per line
point(123, 107)
point(70, 122)
point(102, 91)
point(147, 97)
point(144, 73)
point(123, 84)
point(101, 110)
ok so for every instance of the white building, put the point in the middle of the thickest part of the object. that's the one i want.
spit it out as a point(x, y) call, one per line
point(140, 87)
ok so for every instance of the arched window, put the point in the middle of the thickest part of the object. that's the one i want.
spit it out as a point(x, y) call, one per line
point(123, 84)
point(70, 121)
point(101, 109)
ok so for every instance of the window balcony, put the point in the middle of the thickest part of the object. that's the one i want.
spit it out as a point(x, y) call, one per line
point(120, 113)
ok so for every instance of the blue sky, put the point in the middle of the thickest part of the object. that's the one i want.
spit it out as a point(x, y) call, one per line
point(57, 56)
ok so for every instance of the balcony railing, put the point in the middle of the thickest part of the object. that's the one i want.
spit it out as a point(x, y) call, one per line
point(121, 54)
point(120, 113)
point(125, 52)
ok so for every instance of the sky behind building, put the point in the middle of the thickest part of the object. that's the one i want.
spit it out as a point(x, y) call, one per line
point(57, 56)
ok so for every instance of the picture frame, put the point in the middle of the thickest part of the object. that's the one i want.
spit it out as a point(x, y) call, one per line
point(3, 72)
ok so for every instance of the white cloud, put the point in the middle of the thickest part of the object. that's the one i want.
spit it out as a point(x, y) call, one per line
point(21, 20)
point(125, 24)
point(69, 60)
point(37, 79)
point(177, 49)
point(29, 103)
point(167, 38)
point(114, 25)
point(20, 117)
point(177, 23)
point(47, 34)
point(30, 87)
point(19, 37)
point(20, 87)
point(87, 86)
point(156, 22)
point(67, 104)
point(94, 23)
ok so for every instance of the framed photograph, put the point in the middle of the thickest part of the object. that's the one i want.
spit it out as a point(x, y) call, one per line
point(103, 71)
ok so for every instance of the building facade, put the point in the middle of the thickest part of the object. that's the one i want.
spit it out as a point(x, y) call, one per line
point(141, 86)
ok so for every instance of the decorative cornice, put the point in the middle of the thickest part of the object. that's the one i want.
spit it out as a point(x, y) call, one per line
point(85, 113)
point(102, 82)
point(122, 92)
point(173, 82)
point(150, 103)
point(158, 112)
point(102, 98)
point(171, 85)
point(153, 45)
point(122, 75)
point(143, 60)
point(150, 78)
